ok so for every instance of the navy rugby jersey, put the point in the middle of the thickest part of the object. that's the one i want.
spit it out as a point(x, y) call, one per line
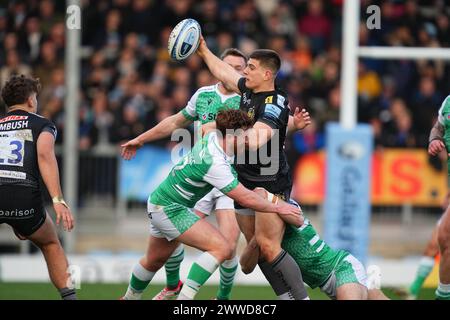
point(271, 108)
point(19, 131)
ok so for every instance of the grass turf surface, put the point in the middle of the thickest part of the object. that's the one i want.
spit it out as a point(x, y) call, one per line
point(45, 291)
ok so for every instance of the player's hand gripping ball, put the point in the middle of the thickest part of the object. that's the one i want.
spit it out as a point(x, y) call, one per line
point(184, 39)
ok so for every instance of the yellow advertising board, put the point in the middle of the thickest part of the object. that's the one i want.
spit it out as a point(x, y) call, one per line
point(398, 176)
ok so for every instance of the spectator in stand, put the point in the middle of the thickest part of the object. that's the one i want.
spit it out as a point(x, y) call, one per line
point(13, 67)
point(316, 25)
point(424, 106)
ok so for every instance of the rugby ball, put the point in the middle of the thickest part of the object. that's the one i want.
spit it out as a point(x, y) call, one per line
point(184, 39)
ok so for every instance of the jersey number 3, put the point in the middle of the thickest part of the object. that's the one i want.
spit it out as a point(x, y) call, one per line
point(11, 152)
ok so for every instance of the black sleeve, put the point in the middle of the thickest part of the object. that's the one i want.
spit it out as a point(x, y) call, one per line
point(274, 116)
point(241, 85)
point(48, 126)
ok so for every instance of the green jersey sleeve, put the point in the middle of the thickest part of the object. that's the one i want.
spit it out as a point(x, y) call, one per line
point(220, 176)
point(190, 110)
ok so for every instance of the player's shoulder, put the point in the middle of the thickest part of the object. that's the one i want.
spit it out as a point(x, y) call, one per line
point(41, 122)
point(38, 117)
point(446, 103)
point(444, 109)
point(277, 98)
point(275, 106)
point(206, 89)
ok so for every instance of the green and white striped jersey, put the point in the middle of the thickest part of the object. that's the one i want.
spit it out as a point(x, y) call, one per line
point(206, 166)
point(206, 103)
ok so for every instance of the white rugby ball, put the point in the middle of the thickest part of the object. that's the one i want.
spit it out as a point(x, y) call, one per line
point(184, 39)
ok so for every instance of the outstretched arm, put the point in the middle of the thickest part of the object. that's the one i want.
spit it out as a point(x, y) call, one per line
point(161, 130)
point(221, 70)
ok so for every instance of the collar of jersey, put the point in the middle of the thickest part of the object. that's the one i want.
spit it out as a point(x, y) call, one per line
point(224, 96)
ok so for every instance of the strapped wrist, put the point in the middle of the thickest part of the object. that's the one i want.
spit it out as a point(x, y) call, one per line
point(60, 200)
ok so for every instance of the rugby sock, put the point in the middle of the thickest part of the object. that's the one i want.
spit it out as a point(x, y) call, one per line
point(172, 267)
point(140, 278)
point(200, 271)
point(288, 271)
point(227, 272)
point(443, 291)
point(275, 282)
point(425, 267)
point(67, 294)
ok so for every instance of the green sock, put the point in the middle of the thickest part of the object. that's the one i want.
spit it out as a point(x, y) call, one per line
point(200, 271)
point(443, 292)
point(425, 267)
point(172, 267)
point(140, 278)
point(227, 272)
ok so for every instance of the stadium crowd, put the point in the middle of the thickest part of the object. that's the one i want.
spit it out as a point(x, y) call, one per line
point(129, 83)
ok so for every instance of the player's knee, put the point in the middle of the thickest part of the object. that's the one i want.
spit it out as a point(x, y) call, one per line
point(232, 243)
point(245, 269)
point(223, 252)
point(267, 248)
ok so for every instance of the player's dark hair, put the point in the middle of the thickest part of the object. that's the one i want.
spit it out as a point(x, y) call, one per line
point(18, 89)
point(232, 119)
point(267, 58)
point(233, 52)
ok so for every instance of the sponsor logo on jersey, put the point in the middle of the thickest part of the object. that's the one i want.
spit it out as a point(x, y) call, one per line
point(245, 99)
point(272, 110)
point(16, 213)
point(269, 99)
point(13, 174)
point(209, 116)
point(13, 125)
point(280, 100)
point(251, 113)
point(13, 118)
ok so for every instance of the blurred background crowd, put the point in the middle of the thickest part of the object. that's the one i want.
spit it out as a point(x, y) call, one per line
point(129, 82)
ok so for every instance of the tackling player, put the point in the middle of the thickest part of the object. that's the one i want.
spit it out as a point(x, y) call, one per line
point(172, 222)
point(336, 272)
point(203, 106)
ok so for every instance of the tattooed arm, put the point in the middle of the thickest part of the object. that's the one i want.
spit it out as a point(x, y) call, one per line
point(436, 140)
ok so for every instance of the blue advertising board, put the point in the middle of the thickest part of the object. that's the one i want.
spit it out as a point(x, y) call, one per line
point(143, 174)
point(347, 195)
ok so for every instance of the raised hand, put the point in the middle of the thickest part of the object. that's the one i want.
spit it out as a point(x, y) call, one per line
point(130, 148)
point(301, 118)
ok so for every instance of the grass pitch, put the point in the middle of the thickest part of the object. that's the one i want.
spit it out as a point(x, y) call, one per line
point(45, 291)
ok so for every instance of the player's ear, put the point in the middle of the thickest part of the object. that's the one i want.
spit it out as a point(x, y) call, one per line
point(30, 101)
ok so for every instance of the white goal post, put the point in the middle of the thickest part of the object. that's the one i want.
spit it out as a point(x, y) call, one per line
point(352, 51)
